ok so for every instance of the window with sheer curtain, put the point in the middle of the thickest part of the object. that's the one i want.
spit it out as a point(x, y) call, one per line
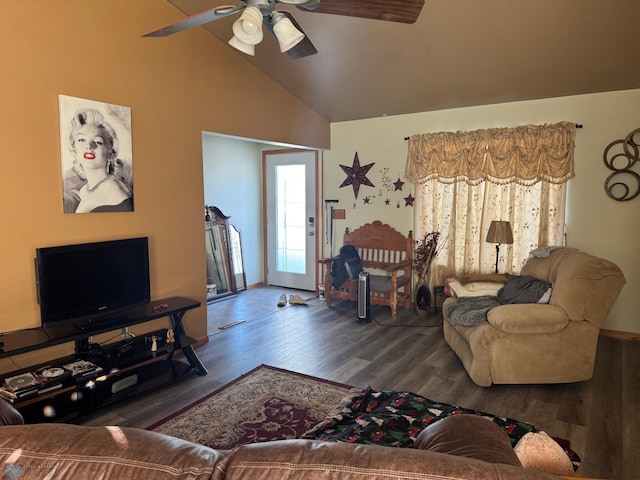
point(464, 180)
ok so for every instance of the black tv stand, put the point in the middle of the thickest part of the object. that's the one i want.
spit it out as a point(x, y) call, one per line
point(129, 367)
point(111, 321)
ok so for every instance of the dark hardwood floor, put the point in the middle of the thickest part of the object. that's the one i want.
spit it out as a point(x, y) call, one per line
point(599, 416)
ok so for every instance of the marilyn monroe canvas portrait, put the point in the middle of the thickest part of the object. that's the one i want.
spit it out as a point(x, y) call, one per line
point(96, 154)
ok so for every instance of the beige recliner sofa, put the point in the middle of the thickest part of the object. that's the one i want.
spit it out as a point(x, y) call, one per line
point(542, 343)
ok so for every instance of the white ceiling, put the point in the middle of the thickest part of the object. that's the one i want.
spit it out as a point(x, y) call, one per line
point(459, 53)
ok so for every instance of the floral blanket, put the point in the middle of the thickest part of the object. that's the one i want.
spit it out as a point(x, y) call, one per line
point(394, 419)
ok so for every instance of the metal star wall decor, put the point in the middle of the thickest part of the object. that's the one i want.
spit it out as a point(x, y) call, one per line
point(398, 184)
point(356, 175)
point(408, 201)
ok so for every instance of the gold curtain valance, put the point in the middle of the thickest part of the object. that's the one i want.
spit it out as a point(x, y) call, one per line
point(525, 155)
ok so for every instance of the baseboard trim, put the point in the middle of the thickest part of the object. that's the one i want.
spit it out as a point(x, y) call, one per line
point(620, 335)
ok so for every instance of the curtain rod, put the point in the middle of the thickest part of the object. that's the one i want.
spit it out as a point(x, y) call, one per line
point(578, 125)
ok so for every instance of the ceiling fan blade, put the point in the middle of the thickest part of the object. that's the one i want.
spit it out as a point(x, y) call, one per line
point(306, 4)
point(302, 49)
point(196, 20)
point(403, 11)
point(305, 47)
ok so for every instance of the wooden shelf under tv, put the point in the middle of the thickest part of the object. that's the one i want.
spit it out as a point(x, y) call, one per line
point(122, 375)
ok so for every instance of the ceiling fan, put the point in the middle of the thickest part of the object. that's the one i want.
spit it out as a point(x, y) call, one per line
point(247, 30)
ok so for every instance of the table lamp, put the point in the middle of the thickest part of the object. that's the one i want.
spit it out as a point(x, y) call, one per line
point(499, 232)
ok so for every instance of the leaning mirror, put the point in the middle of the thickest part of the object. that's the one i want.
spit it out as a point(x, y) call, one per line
point(225, 263)
point(237, 260)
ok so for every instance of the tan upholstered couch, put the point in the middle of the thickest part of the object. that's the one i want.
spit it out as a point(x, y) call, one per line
point(470, 448)
point(542, 343)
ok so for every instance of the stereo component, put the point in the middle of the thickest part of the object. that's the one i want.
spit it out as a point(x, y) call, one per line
point(125, 383)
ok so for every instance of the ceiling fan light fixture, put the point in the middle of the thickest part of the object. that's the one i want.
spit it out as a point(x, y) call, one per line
point(287, 34)
point(243, 47)
point(248, 28)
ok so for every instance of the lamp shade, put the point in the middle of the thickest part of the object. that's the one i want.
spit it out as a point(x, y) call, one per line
point(287, 34)
point(243, 47)
point(248, 28)
point(500, 232)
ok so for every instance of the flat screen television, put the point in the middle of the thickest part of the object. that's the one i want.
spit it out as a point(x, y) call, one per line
point(92, 283)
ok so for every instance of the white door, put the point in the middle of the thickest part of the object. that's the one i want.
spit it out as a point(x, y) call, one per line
point(290, 247)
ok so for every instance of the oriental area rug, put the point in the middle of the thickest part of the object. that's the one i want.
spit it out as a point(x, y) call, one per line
point(269, 403)
point(264, 404)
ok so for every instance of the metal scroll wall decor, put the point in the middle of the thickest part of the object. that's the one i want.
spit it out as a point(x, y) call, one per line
point(624, 183)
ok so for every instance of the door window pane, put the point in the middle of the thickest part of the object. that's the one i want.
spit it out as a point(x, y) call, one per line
point(290, 219)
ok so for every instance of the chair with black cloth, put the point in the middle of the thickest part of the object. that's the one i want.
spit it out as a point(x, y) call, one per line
point(388, 257)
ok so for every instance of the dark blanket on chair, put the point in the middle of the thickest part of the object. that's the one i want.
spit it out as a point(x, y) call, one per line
point(469, 311)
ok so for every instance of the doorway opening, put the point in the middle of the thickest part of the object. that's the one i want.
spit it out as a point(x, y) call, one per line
point(290, 205)
point(234, 182)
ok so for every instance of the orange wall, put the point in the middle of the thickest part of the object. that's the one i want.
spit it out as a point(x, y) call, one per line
point(176, 88)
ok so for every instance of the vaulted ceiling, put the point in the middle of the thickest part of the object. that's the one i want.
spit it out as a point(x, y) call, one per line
point(459, 53)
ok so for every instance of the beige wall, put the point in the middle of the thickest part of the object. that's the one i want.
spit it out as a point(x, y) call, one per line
point(176, 87)
point(595, 223)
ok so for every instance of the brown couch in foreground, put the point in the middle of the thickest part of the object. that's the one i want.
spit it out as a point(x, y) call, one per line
point(463, 447)
point(542, 343)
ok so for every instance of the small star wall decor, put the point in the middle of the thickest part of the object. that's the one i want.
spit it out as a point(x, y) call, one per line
point(356, 175)
point(398, 184)
point(387, 201)
point(366, 200)
point(408, 201)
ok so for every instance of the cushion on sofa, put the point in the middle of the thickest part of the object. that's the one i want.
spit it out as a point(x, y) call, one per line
point(9, 415)
point(75, 452)
point(528, 318)
point(470, 436)
point(475, 289)
point(539, 451)
point(318, 460)
point(585, 286)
